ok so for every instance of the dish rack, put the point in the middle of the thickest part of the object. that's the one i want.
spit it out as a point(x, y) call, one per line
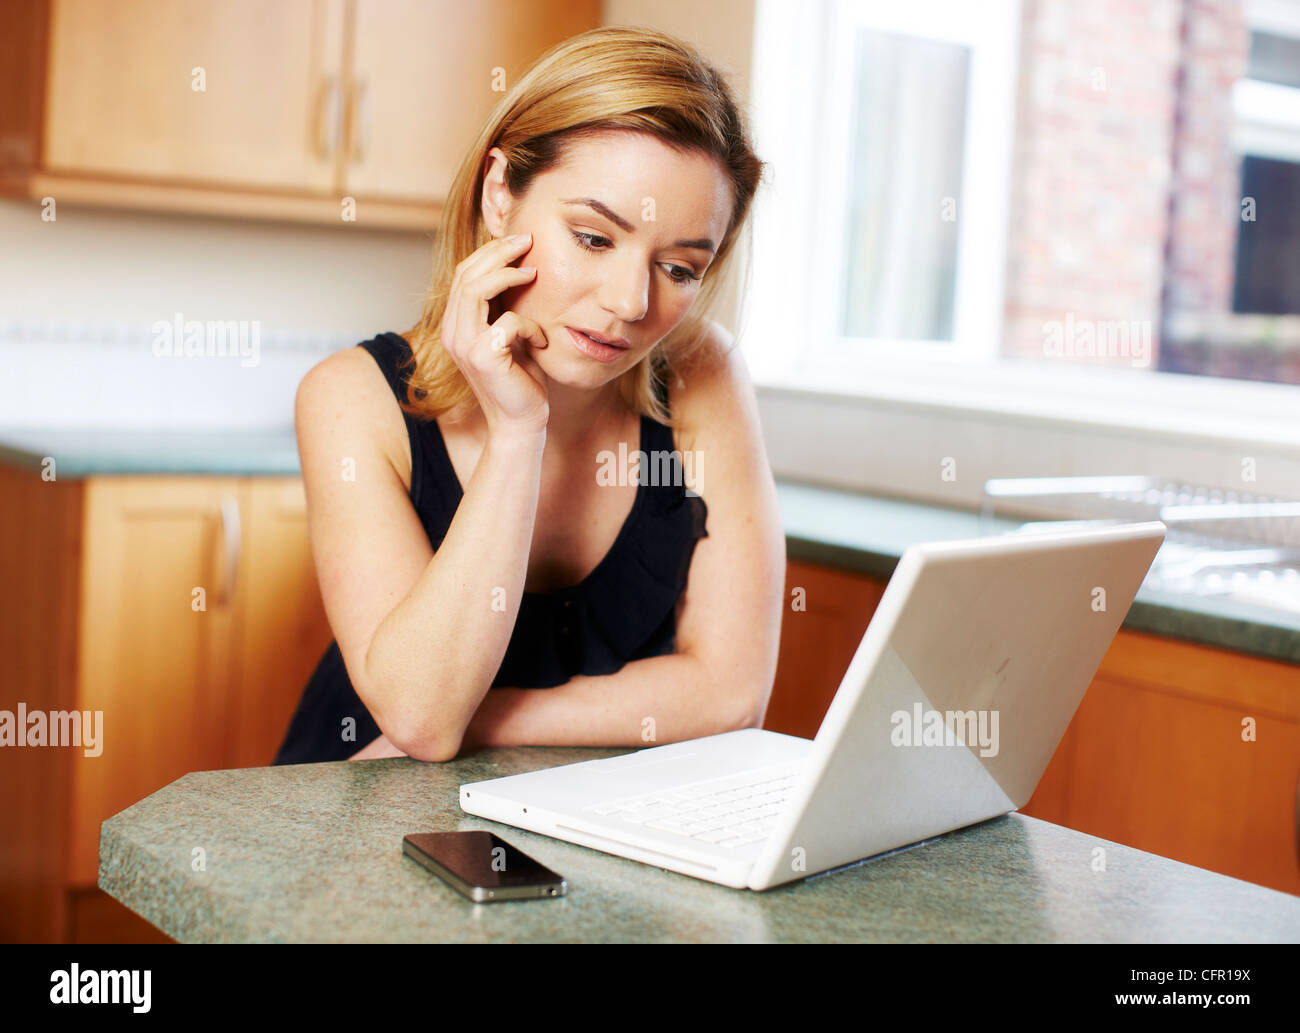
point(1227, 544)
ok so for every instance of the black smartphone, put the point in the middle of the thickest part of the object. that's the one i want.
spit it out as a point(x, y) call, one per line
point(483, 866)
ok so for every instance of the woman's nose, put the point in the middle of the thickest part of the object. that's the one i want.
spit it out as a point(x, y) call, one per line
point(627, 293)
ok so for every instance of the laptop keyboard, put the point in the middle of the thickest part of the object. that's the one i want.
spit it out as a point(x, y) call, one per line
point(727, 812)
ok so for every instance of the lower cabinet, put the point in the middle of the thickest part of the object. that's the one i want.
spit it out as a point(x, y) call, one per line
point(1182, 750)
point(183, 615)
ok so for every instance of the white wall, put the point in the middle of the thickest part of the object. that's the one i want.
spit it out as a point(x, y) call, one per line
point(104, 277)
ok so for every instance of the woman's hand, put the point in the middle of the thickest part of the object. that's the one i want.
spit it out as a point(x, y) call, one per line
point(497, 359)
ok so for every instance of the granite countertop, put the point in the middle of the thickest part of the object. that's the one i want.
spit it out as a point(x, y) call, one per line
point(312, 852)
point(845, 529)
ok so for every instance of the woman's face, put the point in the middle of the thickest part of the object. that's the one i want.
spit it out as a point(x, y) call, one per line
point(624, 228)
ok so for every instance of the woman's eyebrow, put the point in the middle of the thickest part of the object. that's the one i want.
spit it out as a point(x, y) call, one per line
point(702, 243)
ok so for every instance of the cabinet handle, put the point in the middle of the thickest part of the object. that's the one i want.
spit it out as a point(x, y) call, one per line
point(360, 120)
point(233, 538)
point(326, 130)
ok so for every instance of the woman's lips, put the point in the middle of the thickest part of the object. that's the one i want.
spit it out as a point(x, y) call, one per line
point(594, 349)
point(602, 338)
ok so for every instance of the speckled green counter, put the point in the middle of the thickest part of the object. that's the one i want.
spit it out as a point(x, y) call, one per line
point(312, 852)
point(87, 453)
point(868, 533)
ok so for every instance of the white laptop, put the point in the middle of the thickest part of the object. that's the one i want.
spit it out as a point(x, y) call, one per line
point(963, 685)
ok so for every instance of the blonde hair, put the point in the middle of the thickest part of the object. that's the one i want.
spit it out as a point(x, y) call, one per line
point(611, 78)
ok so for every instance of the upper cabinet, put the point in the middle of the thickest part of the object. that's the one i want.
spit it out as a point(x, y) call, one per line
point(425, 75)
point(241, 107)
point(235, 93)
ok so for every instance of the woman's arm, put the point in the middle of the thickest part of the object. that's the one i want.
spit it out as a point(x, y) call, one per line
point(422, 634)
point(440, 647)
point(653, 701)
point(728, 618)
point(656, 700)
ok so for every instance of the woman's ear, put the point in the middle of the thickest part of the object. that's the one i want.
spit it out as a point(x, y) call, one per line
point(497, 200)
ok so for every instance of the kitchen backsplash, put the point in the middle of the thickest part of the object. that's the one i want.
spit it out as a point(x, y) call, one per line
point(185, 372)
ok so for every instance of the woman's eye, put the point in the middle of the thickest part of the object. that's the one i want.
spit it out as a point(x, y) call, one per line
point(679, 274)
point(590, 241)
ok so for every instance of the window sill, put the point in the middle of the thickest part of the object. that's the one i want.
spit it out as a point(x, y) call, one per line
point(937, 431)
point(1142, 402)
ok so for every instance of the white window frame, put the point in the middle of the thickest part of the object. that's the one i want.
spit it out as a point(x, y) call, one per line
point(801, 214)
point(1268, 114)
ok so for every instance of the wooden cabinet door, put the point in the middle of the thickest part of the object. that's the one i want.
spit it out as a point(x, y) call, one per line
point(827, 613)
point(422, 83)
point(40, 539)
point(283, 629)
point(157, 646)
point(1187, 751)
point(122, 99)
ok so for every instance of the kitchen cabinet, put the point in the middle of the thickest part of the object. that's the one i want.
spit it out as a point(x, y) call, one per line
point(826, 613)
point(125, 97)
point(185, 611)
point(1178, 749)
point(425, 75)
point(1186, 751)
point(275, 111)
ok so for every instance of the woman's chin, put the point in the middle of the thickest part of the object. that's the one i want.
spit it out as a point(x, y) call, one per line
point(577, 371)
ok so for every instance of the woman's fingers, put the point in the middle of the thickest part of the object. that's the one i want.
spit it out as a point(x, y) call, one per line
point(487, 347)
point(514, 335)
point(470, 299)
point(521, 329)
point(492, 283)
point(492, 255)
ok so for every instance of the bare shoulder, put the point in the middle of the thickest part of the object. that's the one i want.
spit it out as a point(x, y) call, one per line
point(346, 394)
point(711, 389)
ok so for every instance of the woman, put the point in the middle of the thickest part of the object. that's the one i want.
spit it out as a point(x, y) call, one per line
point(469, 527)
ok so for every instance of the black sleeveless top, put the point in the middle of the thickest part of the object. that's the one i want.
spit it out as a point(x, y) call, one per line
point(625, 609)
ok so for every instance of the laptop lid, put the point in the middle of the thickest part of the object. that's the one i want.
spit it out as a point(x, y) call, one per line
point(967, 677)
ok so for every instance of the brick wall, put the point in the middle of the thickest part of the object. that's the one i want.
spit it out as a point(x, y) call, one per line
point(1205, 206)
point(1122, 168)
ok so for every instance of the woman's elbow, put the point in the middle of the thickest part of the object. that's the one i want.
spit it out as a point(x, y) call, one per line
point(753, 708)
point(420, 744)
point(412, 733)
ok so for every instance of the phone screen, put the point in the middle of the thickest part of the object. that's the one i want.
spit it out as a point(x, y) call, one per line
point(480, 859)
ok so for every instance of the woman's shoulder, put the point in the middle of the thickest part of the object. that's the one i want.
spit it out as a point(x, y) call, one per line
point(350, 394)
point(360, 374)
point(704, 387)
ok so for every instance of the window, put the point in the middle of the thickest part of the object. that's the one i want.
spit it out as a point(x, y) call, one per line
point(1268, 246)
point(886, 340)
point(1251, 332)
point(882, 229)
point(904, 173)
point(1266, 104)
